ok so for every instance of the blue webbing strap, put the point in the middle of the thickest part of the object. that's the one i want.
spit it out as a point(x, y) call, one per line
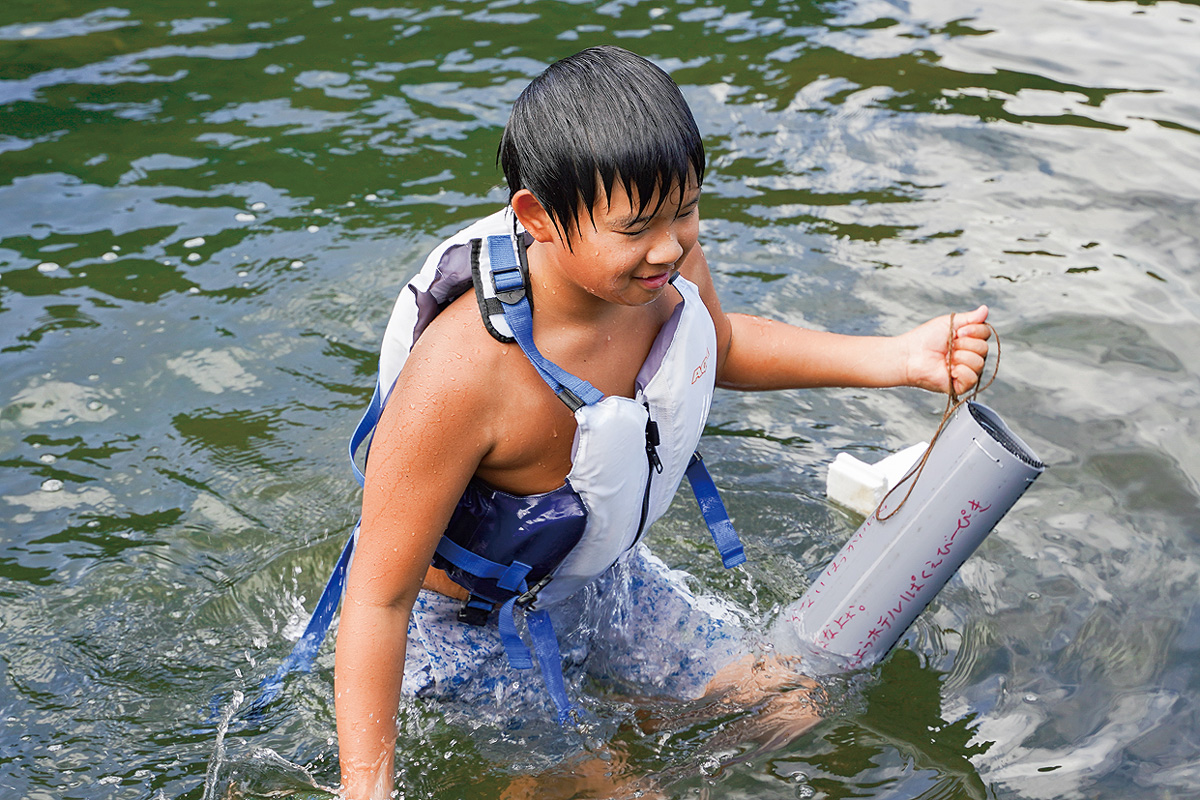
point(370, 419)
point(549, 656)
point(510, 637)
point(545, 647)
point(715, 515)
point(305, 651)
point(510, 578)
point(507, 277)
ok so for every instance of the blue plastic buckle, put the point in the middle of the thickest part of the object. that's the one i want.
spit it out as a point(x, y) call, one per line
point(509, 285)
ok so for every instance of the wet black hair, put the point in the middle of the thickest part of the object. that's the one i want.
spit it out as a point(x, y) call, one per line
point(603, 113)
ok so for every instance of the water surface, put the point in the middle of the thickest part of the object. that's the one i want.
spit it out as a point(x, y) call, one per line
point(205, 213)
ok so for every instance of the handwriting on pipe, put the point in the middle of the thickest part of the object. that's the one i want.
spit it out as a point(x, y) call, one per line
point(894, 611)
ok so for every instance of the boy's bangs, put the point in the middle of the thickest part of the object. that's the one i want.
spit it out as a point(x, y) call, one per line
point(654, 181)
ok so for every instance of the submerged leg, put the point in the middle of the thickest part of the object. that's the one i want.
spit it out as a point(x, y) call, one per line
point(785, 703)
point(589, 775)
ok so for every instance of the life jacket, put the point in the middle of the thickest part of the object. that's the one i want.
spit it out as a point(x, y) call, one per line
point(525, 553)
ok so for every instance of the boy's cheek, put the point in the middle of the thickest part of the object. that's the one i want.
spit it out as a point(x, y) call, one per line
point(688, 245)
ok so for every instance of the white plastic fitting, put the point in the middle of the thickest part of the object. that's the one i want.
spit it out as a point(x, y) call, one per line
point(859, 486)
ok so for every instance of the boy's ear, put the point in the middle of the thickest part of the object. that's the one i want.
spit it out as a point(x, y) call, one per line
point(533, 217)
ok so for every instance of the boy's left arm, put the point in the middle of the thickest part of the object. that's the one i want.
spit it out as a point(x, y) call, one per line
point(756, 353)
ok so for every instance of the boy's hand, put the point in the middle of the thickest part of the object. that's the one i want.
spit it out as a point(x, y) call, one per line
point(925, 352)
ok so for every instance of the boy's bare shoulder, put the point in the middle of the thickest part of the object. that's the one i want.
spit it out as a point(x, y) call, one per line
point(457, 352)
point(461, 386)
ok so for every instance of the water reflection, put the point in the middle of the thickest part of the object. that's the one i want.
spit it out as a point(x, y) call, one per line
point(232, 195)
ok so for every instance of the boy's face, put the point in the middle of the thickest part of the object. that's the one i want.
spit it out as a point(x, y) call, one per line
point(626, 257)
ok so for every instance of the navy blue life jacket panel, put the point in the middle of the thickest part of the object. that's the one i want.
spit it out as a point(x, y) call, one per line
point(536, 530)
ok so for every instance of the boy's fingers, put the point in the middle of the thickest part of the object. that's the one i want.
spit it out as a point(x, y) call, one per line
point(964, 378)
point(970, 360)
point(978, 347)
point(973, 330)
point(968, 323)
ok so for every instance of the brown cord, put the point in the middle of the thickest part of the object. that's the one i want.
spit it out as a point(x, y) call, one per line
point(953, 401)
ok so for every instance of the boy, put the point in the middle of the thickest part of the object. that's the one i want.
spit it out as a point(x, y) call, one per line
point(580, 446)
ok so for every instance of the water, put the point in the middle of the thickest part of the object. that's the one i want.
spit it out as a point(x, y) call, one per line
point(206, 209)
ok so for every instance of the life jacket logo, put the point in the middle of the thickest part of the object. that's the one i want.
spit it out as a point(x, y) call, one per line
point(700, 370)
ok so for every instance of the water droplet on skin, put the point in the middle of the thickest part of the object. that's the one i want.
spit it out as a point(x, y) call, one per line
point(258, 206)
point(46, 267)
point(313, 228)
point(244, 217)
point(109, 257)
point(52, 485)
point(193, 257)
point(371, 197)
point(196, 242)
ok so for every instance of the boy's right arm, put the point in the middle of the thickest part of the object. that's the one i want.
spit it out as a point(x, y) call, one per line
point(427, 446)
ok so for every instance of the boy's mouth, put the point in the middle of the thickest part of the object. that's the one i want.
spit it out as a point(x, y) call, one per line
point(656, 281)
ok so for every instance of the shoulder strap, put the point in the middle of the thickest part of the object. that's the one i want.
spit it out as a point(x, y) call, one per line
point(503, 279)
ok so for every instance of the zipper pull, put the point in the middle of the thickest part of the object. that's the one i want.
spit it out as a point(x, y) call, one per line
point(652, 442)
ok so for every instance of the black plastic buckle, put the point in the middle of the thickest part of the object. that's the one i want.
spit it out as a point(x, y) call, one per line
point(530, 597)
point(475, 611)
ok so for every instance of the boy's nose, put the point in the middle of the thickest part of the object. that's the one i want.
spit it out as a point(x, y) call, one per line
point(666, 249)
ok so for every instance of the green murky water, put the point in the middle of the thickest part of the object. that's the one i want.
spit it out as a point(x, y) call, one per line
point(205, 212)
